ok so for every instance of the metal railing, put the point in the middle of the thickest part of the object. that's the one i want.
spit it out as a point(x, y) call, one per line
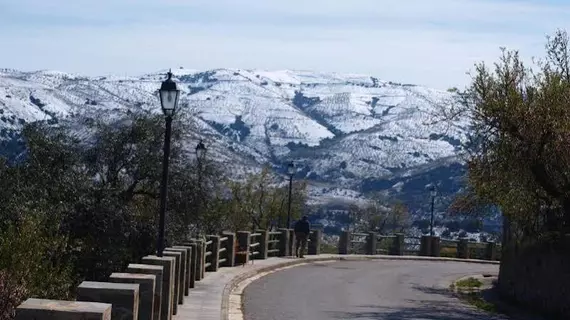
point(208, 254)
point(223, 251)
point(273, 243)
point(255, 245)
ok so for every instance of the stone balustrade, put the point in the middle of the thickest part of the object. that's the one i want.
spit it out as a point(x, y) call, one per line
point(154, 287)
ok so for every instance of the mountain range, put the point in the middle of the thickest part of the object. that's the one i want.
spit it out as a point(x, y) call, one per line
point(348, 134)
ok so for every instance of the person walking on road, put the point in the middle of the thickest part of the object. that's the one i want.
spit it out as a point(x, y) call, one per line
point(302, 230)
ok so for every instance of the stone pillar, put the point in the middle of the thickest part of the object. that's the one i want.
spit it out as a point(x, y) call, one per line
point(155, 271)
point(344, 242)
point(193, 263)
point(200, 259)
point(230, 246)
point(178, 279)
point(371, 241)
point(398, 245)
point(463, 248)
point(184, 265)
point(491, 251)
point(123, 296)
point(188, 268)
point(263, 244)
point(146, 291)
point(284, 243)
point(244, 241)
point(315, 242)
point(215, 256)
point(36, 309)
point(168, 264)
point(435, 246)
point(292, 242)
point(425, 245)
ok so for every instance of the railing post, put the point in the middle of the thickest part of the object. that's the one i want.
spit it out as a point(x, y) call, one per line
point(263, 244)
point(463, 248)
point(215, 256)
point(491, 251)
point(230, 246)
point(200, 259)
point(33, 309)
point(292, 242)
point(314, 242)
point(398, 245)
point(284, 243)
point(435, 246)
point(425, 245)
point(371, 241)
point(244, 241)
point(344, 242)
point(193, 263)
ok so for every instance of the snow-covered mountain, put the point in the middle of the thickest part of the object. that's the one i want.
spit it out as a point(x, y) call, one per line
point(347, 133)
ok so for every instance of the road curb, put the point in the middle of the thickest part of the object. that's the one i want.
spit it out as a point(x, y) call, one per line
point(235, 281)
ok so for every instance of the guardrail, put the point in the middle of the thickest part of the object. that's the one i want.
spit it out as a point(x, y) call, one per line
point(154, 288)
point(370, 243)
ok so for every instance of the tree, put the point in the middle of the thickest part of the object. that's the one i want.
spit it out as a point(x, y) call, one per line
point(519, 153)
point(376, 217)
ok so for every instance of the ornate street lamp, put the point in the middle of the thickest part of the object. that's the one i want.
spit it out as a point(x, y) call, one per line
point(169, 95)
point(433, 192)
point(290, 172)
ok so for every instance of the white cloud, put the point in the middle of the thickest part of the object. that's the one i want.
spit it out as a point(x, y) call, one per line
point(416, 41)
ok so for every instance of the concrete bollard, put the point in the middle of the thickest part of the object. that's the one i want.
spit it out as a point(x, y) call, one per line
point(263, 244)
point(183, 270)
point(230, 246)
point(178, 279)
point(314, 247)
point(146, 291)
point(168, 264)
point(193, 263)
point(344, 242)
point(491, 251)
point(371, 243)
point(244, 241)
point(200, 259)
point(463, 248)
point(188, 267)
point(155, 271)
point(435, 246)
point(123, 296)
point(215, 256)
point(398, 245)
point(292, 239)
point(36, 309)
point(425, 246)
point(284, 243)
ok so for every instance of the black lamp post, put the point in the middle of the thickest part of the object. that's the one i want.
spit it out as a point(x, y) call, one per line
point(290, 172)
point(200, 154)
point(169, 94)
point(433, 193)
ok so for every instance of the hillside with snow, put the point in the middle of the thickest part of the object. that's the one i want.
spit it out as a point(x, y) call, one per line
point(348, 134)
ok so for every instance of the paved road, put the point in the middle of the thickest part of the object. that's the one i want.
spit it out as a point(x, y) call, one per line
point(389, 290)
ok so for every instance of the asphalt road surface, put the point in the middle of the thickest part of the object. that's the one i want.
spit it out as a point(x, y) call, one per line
point(381, 289)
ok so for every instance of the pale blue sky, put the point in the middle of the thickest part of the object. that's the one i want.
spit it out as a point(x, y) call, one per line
point(428, 42)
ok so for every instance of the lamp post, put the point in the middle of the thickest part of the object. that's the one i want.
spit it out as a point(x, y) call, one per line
point(200, 154)
point(291, 172)
point(169, 95)
point(433, 193)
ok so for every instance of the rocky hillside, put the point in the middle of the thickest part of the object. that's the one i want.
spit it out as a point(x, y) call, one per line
point(348, 134)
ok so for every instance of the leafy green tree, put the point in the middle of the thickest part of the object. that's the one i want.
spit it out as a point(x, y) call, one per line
point(519, 154)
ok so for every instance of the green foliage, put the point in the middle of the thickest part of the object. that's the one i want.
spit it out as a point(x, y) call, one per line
point(519, 157)
point(81, 206)
point(374, 216)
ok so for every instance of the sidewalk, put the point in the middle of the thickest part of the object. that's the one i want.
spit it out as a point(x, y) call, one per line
point(205, 300)
point(211, 294)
